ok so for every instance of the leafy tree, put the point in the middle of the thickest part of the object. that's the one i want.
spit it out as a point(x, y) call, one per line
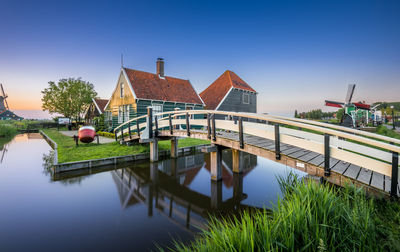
point(69, 97)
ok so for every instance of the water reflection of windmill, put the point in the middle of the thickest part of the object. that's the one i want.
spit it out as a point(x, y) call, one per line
point(5, 113)
point(3, 152)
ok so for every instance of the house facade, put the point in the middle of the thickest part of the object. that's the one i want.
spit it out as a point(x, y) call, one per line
point(230, 93)
point(136, 90)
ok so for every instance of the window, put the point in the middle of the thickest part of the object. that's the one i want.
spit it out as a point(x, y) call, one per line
point(190, 108)
point(157, 108)
point(122, 89)
point(246, 98)
point(120, 114)
point(126, 113)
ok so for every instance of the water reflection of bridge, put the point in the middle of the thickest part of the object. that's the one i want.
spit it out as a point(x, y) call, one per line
point(165, 188)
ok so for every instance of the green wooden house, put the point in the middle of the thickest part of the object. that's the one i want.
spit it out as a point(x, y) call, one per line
point(136, 90)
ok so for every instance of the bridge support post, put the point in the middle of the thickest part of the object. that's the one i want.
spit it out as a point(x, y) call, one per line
point(154, 150)
point(150, 121)
point(277, 143)
point(216, 194)
point(174, 147)
point(129, 130)
point(237, 162)
point(214, 134)
point(208, 125)
point(156, 124)
point(187, 124)
point(216, 167)
point(395, 174)
point(137, 128)
point(327, 156)
point(241, 133)
point(171, 130)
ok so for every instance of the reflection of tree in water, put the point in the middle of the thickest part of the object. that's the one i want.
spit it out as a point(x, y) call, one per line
point(48, 161)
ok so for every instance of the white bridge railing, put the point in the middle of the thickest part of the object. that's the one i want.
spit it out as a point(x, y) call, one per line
point(368, 150)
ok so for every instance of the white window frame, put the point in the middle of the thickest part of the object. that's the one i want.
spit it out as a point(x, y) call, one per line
point(120, 114)
point(126, 113)
point(122, 89)
point(248, 98)
point(157, 108)
point(190, 107)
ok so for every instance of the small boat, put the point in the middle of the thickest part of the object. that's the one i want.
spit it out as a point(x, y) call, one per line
point(86, 134)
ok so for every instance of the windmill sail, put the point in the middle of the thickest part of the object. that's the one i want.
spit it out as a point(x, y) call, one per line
point(5, 113)
point(350, 92)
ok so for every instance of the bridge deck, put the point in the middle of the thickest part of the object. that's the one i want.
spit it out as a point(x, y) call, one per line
point(304, 159)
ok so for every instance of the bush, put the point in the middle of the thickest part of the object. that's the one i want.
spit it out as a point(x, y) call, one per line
point(7, 130)
point(106, 134)
point(311, 217)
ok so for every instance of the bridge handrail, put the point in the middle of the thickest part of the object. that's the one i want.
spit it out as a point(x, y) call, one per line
point(315, 126)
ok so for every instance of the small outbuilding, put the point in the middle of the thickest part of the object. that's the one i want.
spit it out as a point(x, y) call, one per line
point(230, 93)
point(95, 109)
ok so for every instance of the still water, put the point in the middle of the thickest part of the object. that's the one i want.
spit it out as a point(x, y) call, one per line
point(127, 208)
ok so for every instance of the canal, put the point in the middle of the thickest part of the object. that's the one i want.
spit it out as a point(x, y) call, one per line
point(126, 208)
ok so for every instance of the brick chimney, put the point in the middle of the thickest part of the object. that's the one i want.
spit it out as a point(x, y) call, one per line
point(160, 67)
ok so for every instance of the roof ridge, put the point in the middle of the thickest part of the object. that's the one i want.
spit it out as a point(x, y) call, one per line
point(230, 79)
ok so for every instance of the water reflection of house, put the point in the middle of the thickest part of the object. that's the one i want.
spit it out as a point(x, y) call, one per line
point(164, 186)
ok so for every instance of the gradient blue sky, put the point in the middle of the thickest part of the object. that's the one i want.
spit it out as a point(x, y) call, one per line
point(295, 54)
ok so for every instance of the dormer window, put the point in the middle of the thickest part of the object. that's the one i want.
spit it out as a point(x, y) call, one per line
point(122, 89)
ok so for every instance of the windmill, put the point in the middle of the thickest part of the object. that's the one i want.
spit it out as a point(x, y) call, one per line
point(5, 113)
point(354, 112)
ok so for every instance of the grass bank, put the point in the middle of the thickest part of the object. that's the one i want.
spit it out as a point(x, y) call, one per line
point(68, 152)
point(311, 217)
point(382, 130)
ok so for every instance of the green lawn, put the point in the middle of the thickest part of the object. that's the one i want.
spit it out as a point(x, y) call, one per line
point(68, 152)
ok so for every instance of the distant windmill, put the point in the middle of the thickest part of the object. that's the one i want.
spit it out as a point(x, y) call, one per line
point(5, 113)
point(353, 111)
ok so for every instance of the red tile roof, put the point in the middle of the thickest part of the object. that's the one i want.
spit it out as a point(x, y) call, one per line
point(151, 86)
point(101, 104)
point(213, 95)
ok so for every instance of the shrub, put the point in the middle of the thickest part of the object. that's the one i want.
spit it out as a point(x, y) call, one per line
point(106, 134)
point(7, 130)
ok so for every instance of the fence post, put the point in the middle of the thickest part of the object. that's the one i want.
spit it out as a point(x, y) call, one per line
point(122, 133)
point(187, 124)
point(116, 136)
point(327, 156)
point(277, 143)
point(214, 136)
point(241, 133)
point(150, 121)
point(171, 130)
point(156, 124)
point(208, 125)
point(395, 174)
point(129, 130)
point(137, 127)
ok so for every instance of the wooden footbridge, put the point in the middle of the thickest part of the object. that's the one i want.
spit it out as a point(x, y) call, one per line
point(336, 153)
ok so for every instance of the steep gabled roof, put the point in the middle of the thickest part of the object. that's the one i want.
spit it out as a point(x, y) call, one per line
point(152, 87)
point(215, 93)
point(100, 104)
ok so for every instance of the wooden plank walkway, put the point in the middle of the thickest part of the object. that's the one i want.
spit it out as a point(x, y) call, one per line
point(356, 173)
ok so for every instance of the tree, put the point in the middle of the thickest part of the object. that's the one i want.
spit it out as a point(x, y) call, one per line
point(69, 97)
point(296, 114)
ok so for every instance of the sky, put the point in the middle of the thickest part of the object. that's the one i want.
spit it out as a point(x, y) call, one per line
point(295, 54)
